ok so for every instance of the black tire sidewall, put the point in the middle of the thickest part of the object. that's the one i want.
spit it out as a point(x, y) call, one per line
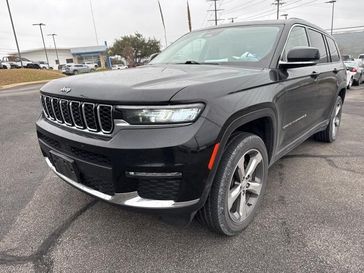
point(236, 149)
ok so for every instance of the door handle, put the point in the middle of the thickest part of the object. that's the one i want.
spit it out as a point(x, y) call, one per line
point(335, 71)
point(314, 75)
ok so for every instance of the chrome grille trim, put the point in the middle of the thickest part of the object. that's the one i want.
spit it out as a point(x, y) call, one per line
point(69, 111)
point(99, 118)
point(55, 101)
point(44, 106)
point(72, 114)
point(85, 119)
point(48, 101)
point(66, 114)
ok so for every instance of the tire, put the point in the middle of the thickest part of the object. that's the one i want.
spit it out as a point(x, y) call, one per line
point(221, 212)
point(329, 135)
point(75, 72)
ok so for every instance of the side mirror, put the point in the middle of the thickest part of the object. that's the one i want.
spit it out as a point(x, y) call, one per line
point(300, 57)
point(151, 57)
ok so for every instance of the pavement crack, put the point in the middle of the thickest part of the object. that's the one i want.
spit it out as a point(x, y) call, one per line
point(41, 259)
point(328, 159)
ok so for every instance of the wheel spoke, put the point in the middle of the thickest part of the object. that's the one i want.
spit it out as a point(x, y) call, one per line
point(243, 206)
point(234, 193)
point(253, 163)
point(254, 187)
point(241, 169)
point(338, 108)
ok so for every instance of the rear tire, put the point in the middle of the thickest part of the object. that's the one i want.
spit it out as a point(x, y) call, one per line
point(239, 186)
point(330, 133)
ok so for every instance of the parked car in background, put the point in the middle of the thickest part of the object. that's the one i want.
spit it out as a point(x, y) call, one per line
point(347, 58)
point(15, 61)
point(361, 57)
point(4, 65)
point(92, 65)
point(118, 66)
point(356, 70)
point(74, 69)
point(44, 65)
point(349, 78)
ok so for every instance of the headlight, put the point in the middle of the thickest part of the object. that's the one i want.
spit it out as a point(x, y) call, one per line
point(169, 114)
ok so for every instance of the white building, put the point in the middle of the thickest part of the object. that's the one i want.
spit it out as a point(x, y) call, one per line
point(96, 54)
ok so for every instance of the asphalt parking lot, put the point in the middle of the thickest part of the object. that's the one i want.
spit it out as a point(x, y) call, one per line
point(311, 220)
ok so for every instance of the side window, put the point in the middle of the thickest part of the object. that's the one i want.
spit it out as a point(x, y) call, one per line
point(333, 50)
point(317, 40)
point(297, 37)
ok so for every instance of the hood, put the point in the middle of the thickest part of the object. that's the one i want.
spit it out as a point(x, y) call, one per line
point(146, 84)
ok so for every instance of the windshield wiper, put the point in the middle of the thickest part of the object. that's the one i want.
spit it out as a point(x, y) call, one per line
point(196, 62)
point(191, 62)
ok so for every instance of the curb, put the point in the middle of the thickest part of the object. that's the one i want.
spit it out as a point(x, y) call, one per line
point(21, 84)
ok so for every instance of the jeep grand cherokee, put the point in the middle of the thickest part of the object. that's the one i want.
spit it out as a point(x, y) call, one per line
point(195, 130)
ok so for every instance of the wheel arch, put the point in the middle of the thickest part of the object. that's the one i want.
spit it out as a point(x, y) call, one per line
point(239, 122)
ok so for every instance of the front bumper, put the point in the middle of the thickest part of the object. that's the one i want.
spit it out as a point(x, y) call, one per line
point(104, 164)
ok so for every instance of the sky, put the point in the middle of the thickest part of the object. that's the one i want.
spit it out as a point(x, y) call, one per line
point(71, 20)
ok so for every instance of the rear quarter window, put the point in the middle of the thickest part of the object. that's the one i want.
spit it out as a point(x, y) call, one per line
point(335, 57)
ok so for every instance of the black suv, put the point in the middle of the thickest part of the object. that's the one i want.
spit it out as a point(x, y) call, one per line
point(195, 130)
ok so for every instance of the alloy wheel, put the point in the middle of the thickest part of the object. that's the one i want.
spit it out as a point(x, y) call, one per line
point(245, 186)
point(337, 118)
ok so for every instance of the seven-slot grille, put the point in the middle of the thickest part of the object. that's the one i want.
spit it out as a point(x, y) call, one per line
point(82, 115)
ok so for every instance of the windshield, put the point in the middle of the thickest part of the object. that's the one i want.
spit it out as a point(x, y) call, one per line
point(241, 45)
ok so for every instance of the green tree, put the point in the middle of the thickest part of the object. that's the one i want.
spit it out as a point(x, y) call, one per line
point(135, 48)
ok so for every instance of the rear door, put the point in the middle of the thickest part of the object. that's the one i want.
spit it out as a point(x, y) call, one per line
point(326, 76)
point(298, 100)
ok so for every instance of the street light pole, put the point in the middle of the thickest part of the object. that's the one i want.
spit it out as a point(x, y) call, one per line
point(41, 32)
point(333, 13)
point(16, 39)
point(55, 46)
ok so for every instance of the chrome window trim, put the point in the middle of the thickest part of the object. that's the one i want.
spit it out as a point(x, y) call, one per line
point(60, 105)
point(99, 118)
point(289, 34)
point(308, 38)
point(84, 115)
point(72, 115)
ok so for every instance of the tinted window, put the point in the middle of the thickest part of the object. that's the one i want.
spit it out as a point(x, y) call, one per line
point(297, 37)
point(317, 40)
point(242, 45)
point(333, 50)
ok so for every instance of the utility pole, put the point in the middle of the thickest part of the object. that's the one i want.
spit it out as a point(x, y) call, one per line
point(215, 10)
point(333, 13)
point(41, 32)
point(93, 20)
point(278, 3)
point(16, 39)
point(55, 46)
point(285, 16)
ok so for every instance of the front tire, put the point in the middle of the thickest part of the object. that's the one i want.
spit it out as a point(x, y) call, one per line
point(238, 187)
point(330, 133)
